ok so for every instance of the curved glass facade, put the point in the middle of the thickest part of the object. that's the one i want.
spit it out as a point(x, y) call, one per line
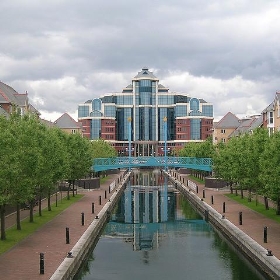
point(146, 103)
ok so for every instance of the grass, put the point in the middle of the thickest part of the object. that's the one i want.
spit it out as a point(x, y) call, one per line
point(103, 180)
point(271, 213)
point(14, 236)
point(196, 179)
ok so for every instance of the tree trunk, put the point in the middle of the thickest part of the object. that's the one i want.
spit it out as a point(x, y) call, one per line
point(49, 200)
point(257, 199)
point(242, 194)
point(266, 203)
point(40, 204)
point(68, 191)
point(3, 227)
point(31, 216)
point(18, 216)
point(278, 206)
point(73, 183)
point(250, 195)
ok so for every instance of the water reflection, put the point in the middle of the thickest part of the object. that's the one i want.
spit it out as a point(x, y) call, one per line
point(155, 234)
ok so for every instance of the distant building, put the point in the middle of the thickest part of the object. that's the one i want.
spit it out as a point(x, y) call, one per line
point(147, 107)
point(225, 127)
point(12, 101)
point(271, 115)
point(67, 124)
point(231, 126)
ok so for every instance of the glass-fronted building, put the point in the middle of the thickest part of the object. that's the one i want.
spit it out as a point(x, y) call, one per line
point(148, 115)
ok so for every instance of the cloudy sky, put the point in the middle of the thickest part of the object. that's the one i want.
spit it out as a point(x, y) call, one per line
point(64, 52)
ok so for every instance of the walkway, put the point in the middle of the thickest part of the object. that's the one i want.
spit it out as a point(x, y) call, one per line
point(253, 223)
point(22, 261)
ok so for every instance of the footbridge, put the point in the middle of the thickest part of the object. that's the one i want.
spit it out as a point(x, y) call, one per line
point(101, 164)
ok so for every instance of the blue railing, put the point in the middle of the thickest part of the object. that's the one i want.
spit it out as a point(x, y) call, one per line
point(101, 164)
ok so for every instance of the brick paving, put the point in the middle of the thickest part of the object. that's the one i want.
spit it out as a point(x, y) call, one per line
point(22, 261)
point(253, 223)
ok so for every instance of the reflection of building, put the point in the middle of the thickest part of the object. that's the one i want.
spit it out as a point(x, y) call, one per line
point(146, 103)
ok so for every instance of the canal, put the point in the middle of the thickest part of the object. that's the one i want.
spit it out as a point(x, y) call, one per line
point(155, 234)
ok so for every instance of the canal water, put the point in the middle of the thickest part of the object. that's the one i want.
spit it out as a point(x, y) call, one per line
point(155, 234)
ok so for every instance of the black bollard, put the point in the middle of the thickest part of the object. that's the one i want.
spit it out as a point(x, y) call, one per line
point(100, 200)
point(265, 234)
point(83, 218)
point(105, 195)
point(92, 207)
point(212, 199)
point(224, 207)
point(109, 189)
point(42, 263)
point(196, 189)
point(67, 236)
point(240, 218)
point(203, 193)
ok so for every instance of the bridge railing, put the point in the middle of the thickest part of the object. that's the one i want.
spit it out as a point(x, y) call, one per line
point(101, 164)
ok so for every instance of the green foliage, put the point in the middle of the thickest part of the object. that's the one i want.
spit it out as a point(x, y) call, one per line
point(251, 161)
point(34, 157)
point(203, 149)
point(102, 149)
point(270, 167)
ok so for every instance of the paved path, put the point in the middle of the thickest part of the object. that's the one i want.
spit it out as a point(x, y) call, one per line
point(22, 261)
point(253, 223)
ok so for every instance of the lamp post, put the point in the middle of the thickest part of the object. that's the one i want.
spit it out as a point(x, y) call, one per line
point(165, 141)
point(129, 142)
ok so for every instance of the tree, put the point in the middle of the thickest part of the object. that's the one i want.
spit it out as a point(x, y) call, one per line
point(8, 165)
point(102, 149)
point(270, 169)
point(80, 158)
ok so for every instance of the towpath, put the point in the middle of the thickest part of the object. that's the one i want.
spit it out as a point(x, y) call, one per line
point(22, 261)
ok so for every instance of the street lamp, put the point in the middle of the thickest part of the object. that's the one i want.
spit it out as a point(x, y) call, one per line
point(165, 141)
point(129, 141)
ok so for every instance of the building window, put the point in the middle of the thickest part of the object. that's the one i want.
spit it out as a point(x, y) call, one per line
point(223, 140)
point(73, 131)
point(223, 131)
point(271, 117)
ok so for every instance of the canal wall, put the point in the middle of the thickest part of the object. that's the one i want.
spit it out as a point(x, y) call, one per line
point(79, 253)
point(257, 254)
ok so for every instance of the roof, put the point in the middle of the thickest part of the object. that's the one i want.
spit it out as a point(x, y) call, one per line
point(247, 125)
point(47, 123)
point(7, 94)
point(146, 74)
point(22, 99)
point(228, 121)
point(66, 121)
point(270, 107)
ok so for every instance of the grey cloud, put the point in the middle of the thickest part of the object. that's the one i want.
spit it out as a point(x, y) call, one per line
point(54, 40)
